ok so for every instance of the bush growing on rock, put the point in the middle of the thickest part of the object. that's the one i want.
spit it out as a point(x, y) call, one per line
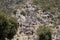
point(44, 33)
point(8, 26)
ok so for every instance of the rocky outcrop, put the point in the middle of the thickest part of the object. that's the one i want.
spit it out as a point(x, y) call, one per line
point(30, 17)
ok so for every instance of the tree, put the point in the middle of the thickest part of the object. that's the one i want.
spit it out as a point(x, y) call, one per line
point(44, 33)
point(8, 26)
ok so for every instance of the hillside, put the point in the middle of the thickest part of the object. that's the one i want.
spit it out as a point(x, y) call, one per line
point(31, 14)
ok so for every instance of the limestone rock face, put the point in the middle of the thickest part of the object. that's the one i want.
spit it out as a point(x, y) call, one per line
point(30, 18)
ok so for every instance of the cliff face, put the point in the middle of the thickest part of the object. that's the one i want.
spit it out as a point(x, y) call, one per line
point(30, 17)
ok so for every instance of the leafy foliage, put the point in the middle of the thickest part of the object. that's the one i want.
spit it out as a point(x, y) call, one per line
point(44, 33)
point(8, 26)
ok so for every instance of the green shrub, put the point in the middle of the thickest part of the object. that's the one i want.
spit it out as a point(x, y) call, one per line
point(8, 26)
point(44, 33)
point(23, 13)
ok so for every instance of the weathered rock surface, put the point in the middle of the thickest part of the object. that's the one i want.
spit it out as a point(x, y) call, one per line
point(30, 17)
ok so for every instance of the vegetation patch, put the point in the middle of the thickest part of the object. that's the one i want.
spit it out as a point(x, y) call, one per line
point(49, 5)
point(44, 33)
point(8, 26)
